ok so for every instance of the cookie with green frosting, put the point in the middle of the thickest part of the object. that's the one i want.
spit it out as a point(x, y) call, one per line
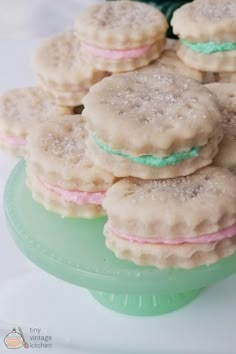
point(207, 30)
point(151, 125)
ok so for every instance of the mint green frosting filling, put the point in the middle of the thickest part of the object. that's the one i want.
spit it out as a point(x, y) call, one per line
point(151, 160)
point(210, 47)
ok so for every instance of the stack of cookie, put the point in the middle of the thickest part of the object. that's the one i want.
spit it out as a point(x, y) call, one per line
point(108, 38)
point(142, 149)
point(64, 77)
point(159, 128)
point(207, 33)
point(59, 173)
point(121, 36)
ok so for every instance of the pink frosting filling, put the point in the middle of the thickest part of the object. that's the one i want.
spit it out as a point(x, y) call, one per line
point(13, 140)
point(207, 238)
point(115, 53)
point(78, 197)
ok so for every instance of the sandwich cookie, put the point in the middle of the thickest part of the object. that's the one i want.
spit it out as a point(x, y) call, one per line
point(62, 70)
point(151, 125)
point(21, 110)
point(182, 222)
point(121, 35)
point(60, 175)
point(207, 31)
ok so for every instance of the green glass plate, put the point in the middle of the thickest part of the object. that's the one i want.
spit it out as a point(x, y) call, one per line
point(74, 250)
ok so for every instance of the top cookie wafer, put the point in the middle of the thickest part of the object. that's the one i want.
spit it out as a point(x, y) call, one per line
point(206, 20)
point(59, 150)
point(21, 109)
point(121, 24)
point(198, 204)
point(146, 113)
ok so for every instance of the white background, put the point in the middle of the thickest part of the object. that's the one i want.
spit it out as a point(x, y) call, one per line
point(27, 19)
point(31, 298)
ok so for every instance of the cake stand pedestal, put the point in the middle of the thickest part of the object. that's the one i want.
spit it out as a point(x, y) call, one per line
point(74, 250)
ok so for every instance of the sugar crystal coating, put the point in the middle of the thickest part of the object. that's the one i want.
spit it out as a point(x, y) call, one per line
point(27, 104)
point(226, 96)
point(197, 204)
point(115, 15)
point(165, 112)
point(152, 97)
point(181, 188)
point(216, 9)
point(161, 100)
point(60, 60)
point(203, 21)
point(229, 121)
point(64, 141)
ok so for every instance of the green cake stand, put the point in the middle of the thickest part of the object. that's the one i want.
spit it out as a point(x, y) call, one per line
point(74, 250)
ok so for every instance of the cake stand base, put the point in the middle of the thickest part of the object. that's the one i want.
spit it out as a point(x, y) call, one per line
point(144, 305)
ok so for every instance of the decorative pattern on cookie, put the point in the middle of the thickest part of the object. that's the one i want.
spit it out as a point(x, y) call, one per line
point(226, 94)
point(60, 175)
point(207, 31)
point(156, 125)
point(170, 223)
point(62, 71)
point(21, 110)
point(121, 35)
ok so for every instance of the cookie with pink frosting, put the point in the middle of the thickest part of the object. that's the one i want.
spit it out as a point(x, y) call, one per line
point(182, 222)
point(60, 175)
point(121, 36)
point(21, 110)
point(62, 70)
